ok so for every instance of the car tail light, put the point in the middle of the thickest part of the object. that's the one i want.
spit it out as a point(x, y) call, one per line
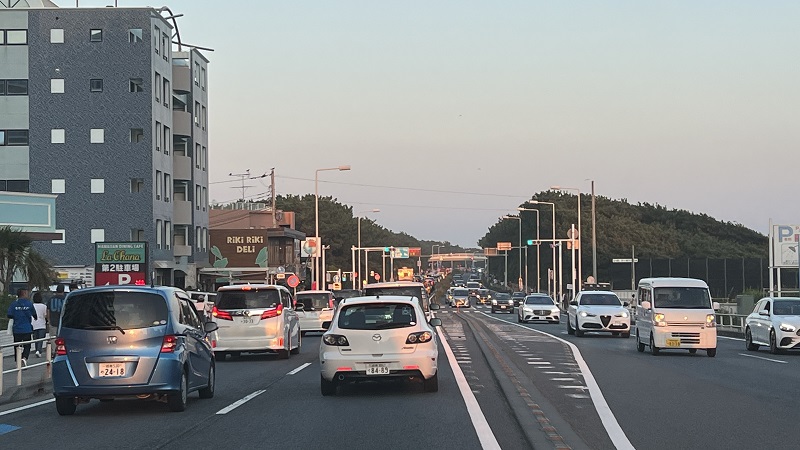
point(219, 314)
point(410, 367)
point(335, 339)
point(61, 347)
point(169, 344)
point(344, 369)
point(419, 337)
point(330, 303)
point(270, 313)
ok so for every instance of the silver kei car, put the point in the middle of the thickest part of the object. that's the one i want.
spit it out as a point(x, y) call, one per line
point(131, 342)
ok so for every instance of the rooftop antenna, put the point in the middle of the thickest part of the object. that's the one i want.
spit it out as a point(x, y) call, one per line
point(242, 177)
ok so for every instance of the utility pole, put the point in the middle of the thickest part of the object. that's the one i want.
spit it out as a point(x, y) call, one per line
point(594, 240)
point(272, 193)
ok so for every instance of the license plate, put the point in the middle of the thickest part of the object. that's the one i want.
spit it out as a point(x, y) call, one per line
point(111, 369)
point(248, 320)
point(673, 342)
point(377, 369)
point(503, 307)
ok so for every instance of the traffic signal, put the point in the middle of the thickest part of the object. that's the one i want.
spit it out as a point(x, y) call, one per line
point(530, 241)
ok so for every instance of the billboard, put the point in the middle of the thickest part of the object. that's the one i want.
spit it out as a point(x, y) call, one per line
point(239, 248)
point(784, 241)
point(120, 263)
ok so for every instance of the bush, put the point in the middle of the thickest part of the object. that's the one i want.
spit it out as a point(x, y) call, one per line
point(5, 301)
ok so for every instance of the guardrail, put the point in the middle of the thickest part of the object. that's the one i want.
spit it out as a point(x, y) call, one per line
point(731, 322)
point(20, 367)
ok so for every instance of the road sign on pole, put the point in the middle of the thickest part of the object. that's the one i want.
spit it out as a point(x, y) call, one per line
point(624, 260)
point(293, 281)
point(503, 246)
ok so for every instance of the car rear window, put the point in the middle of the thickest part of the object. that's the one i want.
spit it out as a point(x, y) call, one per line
point(112, 309)
point(600, 299)
point(377, 316)
point(410, 291)
point(461, 292)
point(313, 302)
point(248, 299)
point(538, 301)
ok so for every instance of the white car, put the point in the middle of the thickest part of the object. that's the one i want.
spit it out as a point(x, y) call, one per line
point(379, 337)
point(313, 308)
point(255, 318)
point(774, 323)
point(203, 303)
point(598, 311)
point(538, 307)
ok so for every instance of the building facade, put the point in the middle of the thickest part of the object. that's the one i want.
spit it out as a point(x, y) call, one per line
point(99, 109)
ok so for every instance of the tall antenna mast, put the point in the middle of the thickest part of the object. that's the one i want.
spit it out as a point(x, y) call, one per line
point(272, 193)
point(242, 177)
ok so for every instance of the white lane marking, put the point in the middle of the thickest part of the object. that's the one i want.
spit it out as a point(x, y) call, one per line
point(765, 359)
point(482, 428)
point(578, 396)
point(562, 379)
point(22, 408)
point(240, 402)
point(539, 363)
point(614, 430)
point(573, 387)
point(730, 338)
point(299, 369)
point(534, 359)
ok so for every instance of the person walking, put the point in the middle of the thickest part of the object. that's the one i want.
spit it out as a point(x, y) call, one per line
point(40, 323)
point(55, 306)
point(22, 312)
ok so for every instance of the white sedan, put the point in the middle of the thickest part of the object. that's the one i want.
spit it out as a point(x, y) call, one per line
point(774, 323)
point(598, 311)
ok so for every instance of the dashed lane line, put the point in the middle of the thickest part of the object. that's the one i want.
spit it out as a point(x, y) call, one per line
point(299, 369)
point(240, 402)
point(22, 408)
point(765, 359)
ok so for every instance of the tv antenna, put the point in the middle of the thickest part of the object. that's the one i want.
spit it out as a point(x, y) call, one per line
point(242, 177)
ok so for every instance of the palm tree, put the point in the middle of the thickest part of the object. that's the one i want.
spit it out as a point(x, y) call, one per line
point(17, 255)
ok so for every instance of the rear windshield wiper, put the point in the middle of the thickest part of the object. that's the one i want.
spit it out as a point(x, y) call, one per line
point(105, 327)
point(391, 325)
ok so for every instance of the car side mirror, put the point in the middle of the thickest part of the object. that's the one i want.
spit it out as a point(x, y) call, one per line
point(326, 325)
point(646, 304)
point(573, 303)
point(434, 306)
point(435, 322)
point(763, 312)
point(209, 327)
point(715, 305)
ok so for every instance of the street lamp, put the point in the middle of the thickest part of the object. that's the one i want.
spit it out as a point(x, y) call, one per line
point(376, 210)
point(538, 244)
point(520, 244)
point(556, 275)
point(438, 248)
point(316, 274)
point(576, 288)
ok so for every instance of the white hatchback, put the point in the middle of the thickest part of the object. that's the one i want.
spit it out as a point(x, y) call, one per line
point(774, 323)
point(598, 311)
point(375, 338)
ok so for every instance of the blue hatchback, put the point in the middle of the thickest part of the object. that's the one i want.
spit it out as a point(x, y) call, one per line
point(131, 342)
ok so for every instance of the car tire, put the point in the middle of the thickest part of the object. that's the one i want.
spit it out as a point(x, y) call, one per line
point(570, 330)
point(65, 406)
point(773, 343)
point(692, 351)
point(208, 391)
point(177, 400)
point(639, 343)
point(711, 352)
point(653, 349)
point(296, 351)
point(220, 356)
point(748, 340)
point(578, 331)
point(327, 387)
point(431, 384)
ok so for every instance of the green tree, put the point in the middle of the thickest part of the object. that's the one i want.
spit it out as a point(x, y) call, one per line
point(17, 255)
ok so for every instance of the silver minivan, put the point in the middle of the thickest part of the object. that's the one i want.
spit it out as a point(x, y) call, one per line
point(313, 308)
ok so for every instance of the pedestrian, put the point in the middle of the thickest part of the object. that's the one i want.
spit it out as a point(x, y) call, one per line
point(22, 312)
point(56, 305)
point(40, 323)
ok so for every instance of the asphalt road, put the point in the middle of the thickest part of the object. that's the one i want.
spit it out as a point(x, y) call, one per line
point(529, 386)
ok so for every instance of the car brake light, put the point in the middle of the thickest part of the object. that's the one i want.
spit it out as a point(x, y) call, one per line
point(410, 367)
point(270, 313)
point(169, 343)
point(344, 369)
point(61, 347)
point(225, 315)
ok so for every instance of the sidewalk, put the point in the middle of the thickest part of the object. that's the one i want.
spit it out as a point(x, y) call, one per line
point(34, 381)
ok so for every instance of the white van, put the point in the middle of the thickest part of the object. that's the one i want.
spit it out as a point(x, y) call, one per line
point(675, 313)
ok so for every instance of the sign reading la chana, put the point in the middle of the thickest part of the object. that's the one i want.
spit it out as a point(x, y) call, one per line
point(120, 263)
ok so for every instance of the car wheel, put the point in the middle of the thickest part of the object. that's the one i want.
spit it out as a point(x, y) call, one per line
point(296, 351)
point(65, 406)
point(177, 400)
point(220, 356)
point(208, 391)
point(639, 343)
point(692, 351)
point(773, 343)
point(748, 340)
point(578, 331)
point(432, 383)
point(327, 387)
point(711, 352)
point(653, 349)
point(569, 327)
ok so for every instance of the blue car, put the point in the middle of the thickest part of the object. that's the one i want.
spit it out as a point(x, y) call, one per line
point(131, 342)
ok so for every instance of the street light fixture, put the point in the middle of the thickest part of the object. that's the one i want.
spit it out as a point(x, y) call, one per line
point(556, 275)
point(520, 245)
point(316, 274)
point(376, 210)
point(577, 287)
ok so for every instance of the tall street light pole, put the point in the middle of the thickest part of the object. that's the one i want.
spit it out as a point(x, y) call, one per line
point(538, 244)
point(577, 288)
point(594, 239)
point(358, 270)
point(317, 269)
point(438, 247)
point(556, 275)
point(520, 243)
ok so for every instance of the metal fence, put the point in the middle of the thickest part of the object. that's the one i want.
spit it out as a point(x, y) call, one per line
point(20, 367)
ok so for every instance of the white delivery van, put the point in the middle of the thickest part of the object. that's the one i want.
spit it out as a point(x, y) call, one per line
point(675, 313)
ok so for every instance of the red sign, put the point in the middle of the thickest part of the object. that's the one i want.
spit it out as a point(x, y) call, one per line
point(105, 278)
point(293, 281)
point(377, 276)
point(414, 251)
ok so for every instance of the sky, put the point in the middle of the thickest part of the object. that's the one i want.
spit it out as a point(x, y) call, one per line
point(452, 113)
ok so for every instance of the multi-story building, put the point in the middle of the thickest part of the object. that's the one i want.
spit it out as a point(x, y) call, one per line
point(101, 107)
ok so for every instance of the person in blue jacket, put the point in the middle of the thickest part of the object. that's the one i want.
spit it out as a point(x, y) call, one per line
point(22, 311)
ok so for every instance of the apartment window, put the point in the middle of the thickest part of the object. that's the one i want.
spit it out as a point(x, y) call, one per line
point(197, 197)
point(167, 92)
point(167, 234)
point(14, 137)
point(58, 186)
point(197, 74)
point(197, 114)
point(197, 238)
point(204, 118)
point(205, 239)
point(159, 234)
point(63, 237)
point(137, 135)
point(197, 156)
point(95, 35)
point(158, 136)
point(16, 37)
point(15, 87)
point(167, 187)
point(98, 186)
point(135, 35)
point(136, 85)
point(203, 79)
point(179, 102)
point(179, 146)
point(57, 36)
point(137, 235)
point(56, 85)
point(204, 198)
point(167, 140)
point(159, 187)
point(2, 137)
point(96, 85)
point(165, 46)
point(98, 235)
point(57, 136)
point(17, 185)
point(137, 185)
point(97, 136)
point(157, 87)
point(156, 35)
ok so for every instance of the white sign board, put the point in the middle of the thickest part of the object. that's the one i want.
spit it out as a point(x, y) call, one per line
point(311, 247)
point(624, 260)
point(785, 241)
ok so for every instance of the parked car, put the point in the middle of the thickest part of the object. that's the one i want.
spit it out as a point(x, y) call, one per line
point(774, 323)
point(378, 338)
point(255, 318)
point(538, 307)
point(598, 311)
point(518, 297)
point(502, 302)
point(313, 308)
point(131, 342)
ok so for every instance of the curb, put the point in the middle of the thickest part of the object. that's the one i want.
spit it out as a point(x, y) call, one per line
point(17, 393)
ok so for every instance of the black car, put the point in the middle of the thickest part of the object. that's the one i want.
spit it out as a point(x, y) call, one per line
point(518, 297)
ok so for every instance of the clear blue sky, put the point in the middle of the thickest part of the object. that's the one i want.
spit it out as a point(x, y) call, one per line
point(692, 105)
